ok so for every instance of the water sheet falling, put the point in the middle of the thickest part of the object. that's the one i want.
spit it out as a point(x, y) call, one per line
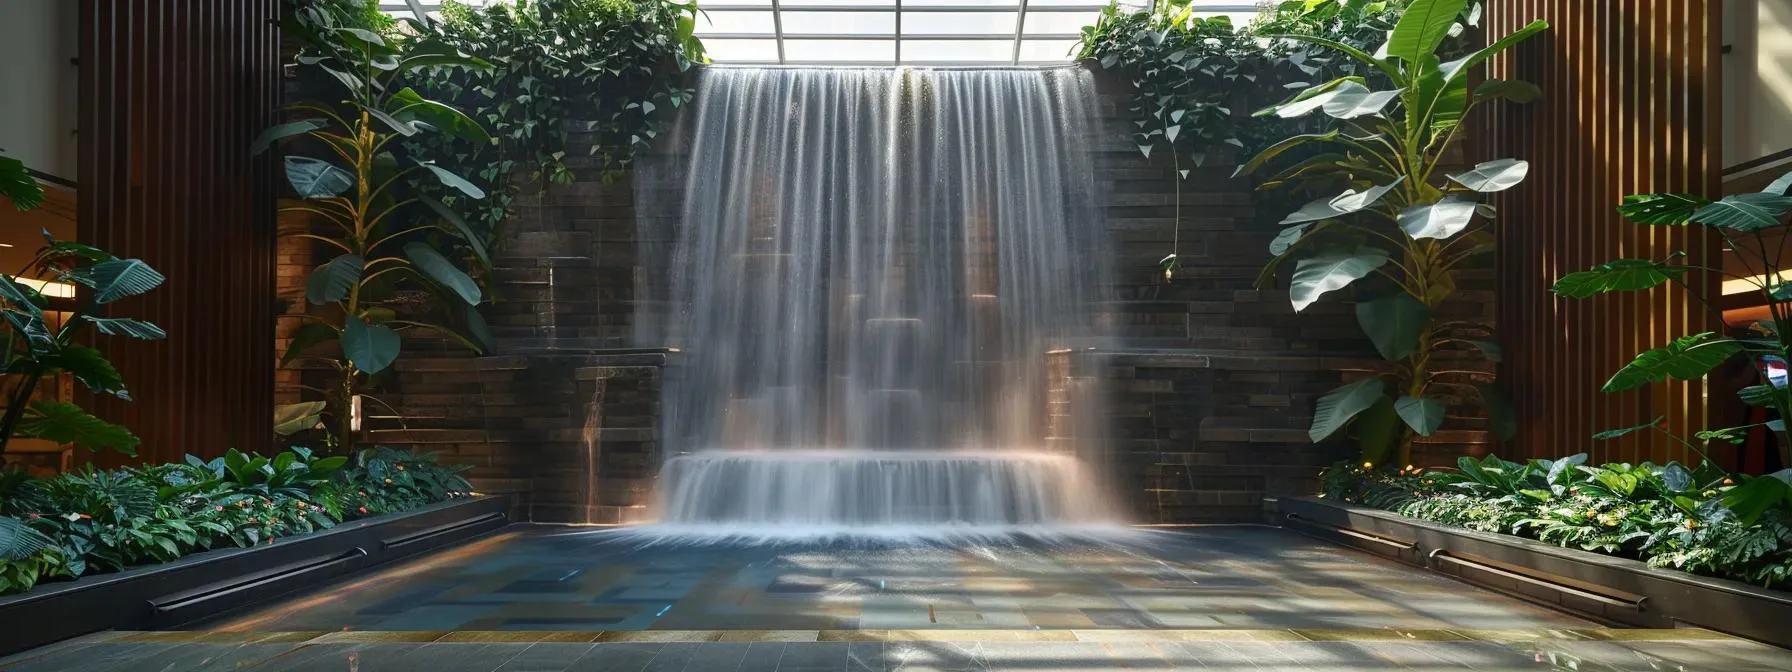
point(878, 260)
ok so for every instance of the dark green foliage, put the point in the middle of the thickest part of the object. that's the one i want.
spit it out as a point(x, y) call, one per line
point(1698, 520)
point(1745, 222)
point(95, 521)
point(611, 68)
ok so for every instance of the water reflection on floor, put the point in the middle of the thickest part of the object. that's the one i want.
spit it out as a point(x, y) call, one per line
point(1235, 598)
point(1217, 577)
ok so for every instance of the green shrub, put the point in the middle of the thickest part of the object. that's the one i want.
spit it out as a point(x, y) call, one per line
point(1702, 520)
point(96, 521)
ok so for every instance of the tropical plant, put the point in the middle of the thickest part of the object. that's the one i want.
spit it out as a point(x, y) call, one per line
point(34, 349)
point(395, 248)
point(611, 68)
point(1189, 73)
point(1398, 219)
point(92, 521)
point(1744, 221)
point(1700, 520)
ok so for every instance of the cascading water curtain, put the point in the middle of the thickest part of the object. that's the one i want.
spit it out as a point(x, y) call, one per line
point(876, 259)
point(879, 258)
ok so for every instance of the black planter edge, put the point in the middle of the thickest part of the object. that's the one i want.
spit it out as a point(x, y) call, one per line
point(1603, 587)
point(203, 585)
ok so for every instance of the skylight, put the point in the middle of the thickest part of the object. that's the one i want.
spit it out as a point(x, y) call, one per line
point(888, 32)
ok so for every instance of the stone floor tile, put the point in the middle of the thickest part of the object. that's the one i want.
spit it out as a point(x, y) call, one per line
point(545, 657)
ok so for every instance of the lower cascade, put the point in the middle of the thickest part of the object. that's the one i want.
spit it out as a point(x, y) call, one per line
point(876, 488)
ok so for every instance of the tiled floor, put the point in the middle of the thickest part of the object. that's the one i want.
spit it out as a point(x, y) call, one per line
point(1216, 577)
point(1242, 598)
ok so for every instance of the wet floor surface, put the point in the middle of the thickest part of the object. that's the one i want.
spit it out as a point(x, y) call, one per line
point(1220, 577)
point(1241, 598)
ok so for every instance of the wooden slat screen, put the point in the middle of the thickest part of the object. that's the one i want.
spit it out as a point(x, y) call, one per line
point(1631, 95)
point(171, 94)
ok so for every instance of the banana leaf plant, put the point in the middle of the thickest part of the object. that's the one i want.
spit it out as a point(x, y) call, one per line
point(1398, 218)
point(390, 245)
point(33, 349)
point(1751, 225)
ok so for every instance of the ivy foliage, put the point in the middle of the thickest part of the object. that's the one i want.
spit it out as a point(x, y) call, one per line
point(611, 68)
point(1190, 74)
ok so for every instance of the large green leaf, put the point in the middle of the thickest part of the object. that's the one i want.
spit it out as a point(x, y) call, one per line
point(124, 326)
point(18, 541)
point(1289, 236)
point(408, 104)
point(22, 297)
point(369, 347)
point(1760, 395)
point(116, 279)
point(1277, 149)
point(1455, 69)
point(1745, 212)
point(1392, 71)
point(1492, 176)
point(438, 268)
point(1423, 414)
point(460, 227)
point(316, 178)
point(1338, 406)
point(1503, 89)
point(1315, 276)
point(294, 418)
point(432, 52)
point(1779, 186)
point(1501, 416)
point(306, 336)
point(1351, 100)
point(1307, 101)
point(396, 125)
point(332, 281)
point(61, 422)
point(17, 184)
point(1343, 204)
point(480, 332)
point(1622, 432)
point(1687, 358)
point(283, 131)
point(1757, 495)
point(1621, 275)
point(90, 367)
point(1422, 27)
point(1661, 208)
point(1440, 220)
point(1393, 323)
point(449, 179)
point(1377, 431)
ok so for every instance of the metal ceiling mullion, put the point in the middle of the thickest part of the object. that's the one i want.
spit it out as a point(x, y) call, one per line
point(897, 58)
point(935, 37)
point(778, 28)
point(1020, 26)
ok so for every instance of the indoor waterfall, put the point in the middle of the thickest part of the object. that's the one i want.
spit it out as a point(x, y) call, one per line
point(869, 268)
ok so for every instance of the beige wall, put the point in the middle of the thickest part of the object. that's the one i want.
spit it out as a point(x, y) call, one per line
point(1757, 79)
point(37, 108)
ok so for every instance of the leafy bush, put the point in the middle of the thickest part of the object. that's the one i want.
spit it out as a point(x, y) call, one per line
point(1702, 520)
point(95, 521)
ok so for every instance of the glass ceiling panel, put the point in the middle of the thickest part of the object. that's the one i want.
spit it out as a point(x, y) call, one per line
point(957, 32)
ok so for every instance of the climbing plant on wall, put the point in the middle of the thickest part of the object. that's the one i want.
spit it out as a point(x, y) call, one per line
point(1397, 223)
point(611, 68)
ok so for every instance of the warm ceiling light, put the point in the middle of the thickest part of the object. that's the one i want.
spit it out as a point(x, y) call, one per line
point(1744, 285)
point(54, 290)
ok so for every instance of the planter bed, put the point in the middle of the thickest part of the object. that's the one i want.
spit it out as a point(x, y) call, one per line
point(206, 584)
point(1602, 587)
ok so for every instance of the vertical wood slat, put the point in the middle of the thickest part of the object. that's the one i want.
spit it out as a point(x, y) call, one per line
point(1631, 90)
point(172, 92)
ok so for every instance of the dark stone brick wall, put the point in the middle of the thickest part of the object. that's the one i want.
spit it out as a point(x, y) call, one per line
point(1198, 409)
